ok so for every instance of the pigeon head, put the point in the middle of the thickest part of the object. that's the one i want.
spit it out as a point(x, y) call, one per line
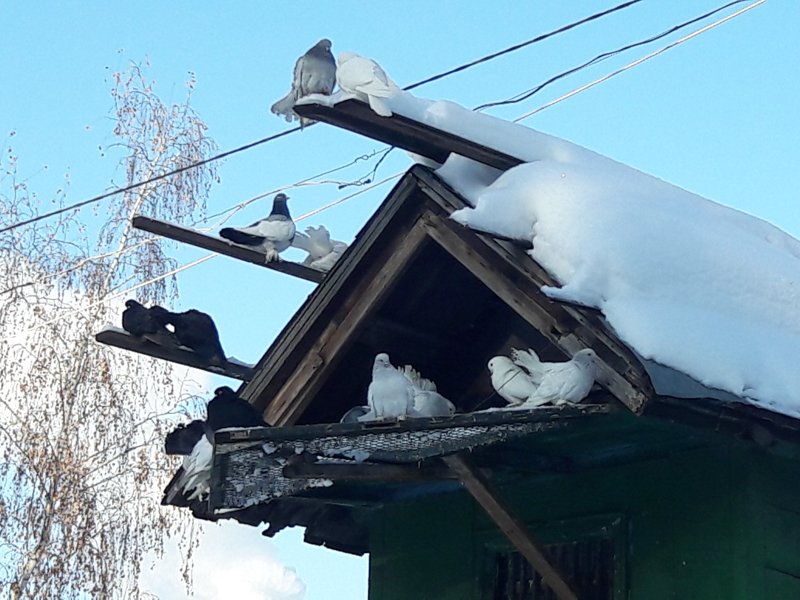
point(381, 362)
point(586, 356)
point(223, 391)
point(500, 364)
point(324, 44)
point(131, 304)
point(279, 206)
point(345, 56)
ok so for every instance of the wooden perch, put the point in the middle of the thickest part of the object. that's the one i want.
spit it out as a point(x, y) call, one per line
point(365, 472)
point(221, 246)
point(405, 133)
point(480, 489)
point(175, 354)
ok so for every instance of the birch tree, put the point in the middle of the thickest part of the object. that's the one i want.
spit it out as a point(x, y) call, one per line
point(82, 425)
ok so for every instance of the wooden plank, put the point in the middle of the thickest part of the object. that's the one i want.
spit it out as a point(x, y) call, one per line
point(403, 132)
point(121, 339)
point(482, 490)
point(294, 396)
point(366, 472)
point(221, 246)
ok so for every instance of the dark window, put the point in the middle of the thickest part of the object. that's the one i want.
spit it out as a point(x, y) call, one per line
point(588, 565)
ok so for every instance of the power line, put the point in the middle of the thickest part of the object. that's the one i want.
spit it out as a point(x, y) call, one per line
point(294, 129)
point(601, 57)
point(139, 184)
point(639, 61)
point(538, 38)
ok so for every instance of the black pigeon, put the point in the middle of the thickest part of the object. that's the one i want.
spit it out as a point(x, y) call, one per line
point(138, 320)
point(183, 438)
point(195, 330)
point(271, 235)
point(226, 409)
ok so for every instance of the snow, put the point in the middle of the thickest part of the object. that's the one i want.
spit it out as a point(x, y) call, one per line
point(690, 285)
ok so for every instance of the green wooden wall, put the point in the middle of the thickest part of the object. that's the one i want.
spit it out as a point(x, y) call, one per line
point(719, 522)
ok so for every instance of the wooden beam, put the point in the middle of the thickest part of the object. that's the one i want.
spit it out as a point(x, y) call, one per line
point(175, 354)
point(482, 490)
point(366, 472)
point(403, 132)
point(221, 246)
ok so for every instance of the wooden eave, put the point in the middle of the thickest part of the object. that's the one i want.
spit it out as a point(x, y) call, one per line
point(405, 133)
point(415, 213)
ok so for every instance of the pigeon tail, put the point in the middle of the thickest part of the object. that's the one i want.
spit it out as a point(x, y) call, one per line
point(285, 107)
point(240, 237)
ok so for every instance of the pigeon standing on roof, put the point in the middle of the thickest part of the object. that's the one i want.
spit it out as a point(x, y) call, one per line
point(365, 79)
point(195, 330)
point(428, 402)
point(323, 252)
point(226, 409)
point(390, 393)
point(566, 382)
point(354, 414)
point(510, 381)
point(314, 73)
point(271, 235)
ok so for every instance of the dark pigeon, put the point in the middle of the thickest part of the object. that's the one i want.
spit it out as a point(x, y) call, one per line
point(271, 235)
point(139, 321)
point(195, 330)
point(227, 409)
point(183, 438)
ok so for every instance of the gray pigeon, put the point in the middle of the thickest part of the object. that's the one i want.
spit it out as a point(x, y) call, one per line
point(566, 382)
point(314, 73)
point(510, 381)
point(390, 394)
point(271, 235)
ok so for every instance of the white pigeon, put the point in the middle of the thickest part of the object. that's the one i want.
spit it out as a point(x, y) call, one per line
point(323, 252)
point(195, 482)
point(510, 381)
point(390, 394)
point(566, 382)
point(314, 73)
point(427, 401)
point(271, 235)
point(364, 78)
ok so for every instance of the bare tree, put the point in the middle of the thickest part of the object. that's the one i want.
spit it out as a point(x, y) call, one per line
point(82, 425)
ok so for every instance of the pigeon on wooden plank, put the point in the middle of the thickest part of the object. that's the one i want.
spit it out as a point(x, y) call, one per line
point(314, 73)
point(271, 235)
point(390, 393)
point(353, 415)
point(183, 438)
point(226, 409)
point(566, 382)
point(195, 330)
point(428, 402)
point(364, 78)
point(138, 320)
point(510, 381)
point(323, 252)
point(194, 482)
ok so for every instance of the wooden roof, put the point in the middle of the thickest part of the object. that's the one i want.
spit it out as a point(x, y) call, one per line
point(433, 294)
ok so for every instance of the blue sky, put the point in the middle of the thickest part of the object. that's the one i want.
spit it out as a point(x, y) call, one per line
point(717, 116)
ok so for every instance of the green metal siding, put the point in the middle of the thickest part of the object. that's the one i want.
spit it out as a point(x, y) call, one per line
point(716, 523)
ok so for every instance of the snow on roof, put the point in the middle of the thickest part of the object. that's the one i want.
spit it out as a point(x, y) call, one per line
point(689, 284)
